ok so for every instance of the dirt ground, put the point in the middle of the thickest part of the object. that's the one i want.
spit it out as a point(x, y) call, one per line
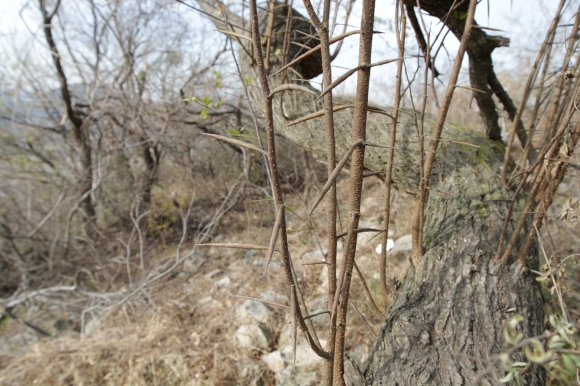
point(188, 328)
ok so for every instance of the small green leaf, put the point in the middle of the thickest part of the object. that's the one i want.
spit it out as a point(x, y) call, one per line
point(233, 132)
point(219, 103)
point(247, 80)
point(459, 15)
point(556, 342)
point(206, 101)
point(278, 52)
point(269, 197)
point(569, 363)
point(203, 113)
point(518, 378)
point(507, 378)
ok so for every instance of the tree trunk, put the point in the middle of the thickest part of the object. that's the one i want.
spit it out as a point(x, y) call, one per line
point(81, 132)
point(146, 180)
point(448, 316)
point(87, 176)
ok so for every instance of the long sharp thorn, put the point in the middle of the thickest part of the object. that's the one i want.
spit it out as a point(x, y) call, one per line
point(333, 177)
point(313, 50)
point(349, 73)
point(318, 114)
point(236, 142)
point(235, 246)
point(274, 238)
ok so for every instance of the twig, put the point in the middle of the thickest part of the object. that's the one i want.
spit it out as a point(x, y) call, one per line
point(235, 246)
point(436, 136)
point(527, 91)
point(236, 142)
point(318, 114)
point(274, 304)
point(333, 176)
point(364, 320)
point(400, 34)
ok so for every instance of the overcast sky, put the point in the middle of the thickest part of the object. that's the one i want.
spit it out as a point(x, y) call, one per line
point(523, 21)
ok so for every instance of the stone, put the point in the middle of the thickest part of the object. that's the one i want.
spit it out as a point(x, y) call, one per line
point(250, 256)
point(289, 377)
point(223, 282)
point(274, 361)
point(251, 336)
point(314, 257)
point(209, 302)
point(305, 357)
point(252, 312)
point(195, 338)
point(262, 263)
point(316, 305)
point(214, 273)
point(91, 326)
point(403, 243)
point(360, 355)
point(191, 264)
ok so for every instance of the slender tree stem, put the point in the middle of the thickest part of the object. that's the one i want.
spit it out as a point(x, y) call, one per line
point(400, 33)
point(417, 249)
point(356, 176)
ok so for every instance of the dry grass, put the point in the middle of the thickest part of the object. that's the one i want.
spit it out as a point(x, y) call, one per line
point(181, 329)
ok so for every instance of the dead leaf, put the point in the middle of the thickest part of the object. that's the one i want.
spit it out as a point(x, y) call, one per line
point(570, 212)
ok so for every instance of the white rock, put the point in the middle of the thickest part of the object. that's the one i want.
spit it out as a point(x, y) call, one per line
point(251, 311)
point(91, 326)
point(315, 256)
point(403, 243)
point(195, 338)
point(213, 273)
point(289, 377)
point(223, 282)
point(274, 361)
point(251, 336)
point(191, 264)
point(305, 357)
point(208, 301)
point(390, 245)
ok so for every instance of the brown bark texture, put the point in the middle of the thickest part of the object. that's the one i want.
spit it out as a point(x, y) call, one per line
point(447, 318)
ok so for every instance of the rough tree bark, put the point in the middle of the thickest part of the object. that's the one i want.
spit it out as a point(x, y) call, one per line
point(447, 317)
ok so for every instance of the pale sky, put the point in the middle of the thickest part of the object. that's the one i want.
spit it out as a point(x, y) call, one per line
point(523, 21)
